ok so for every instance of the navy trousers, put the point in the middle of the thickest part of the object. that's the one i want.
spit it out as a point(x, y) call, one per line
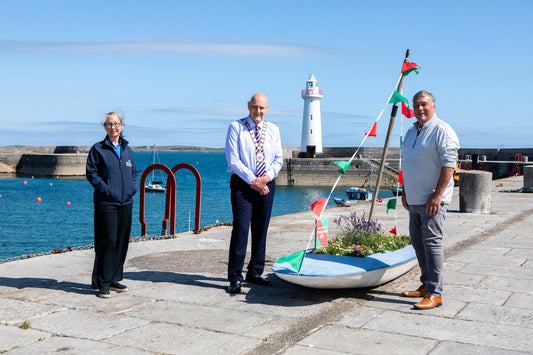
point(112, 227)
point(249, 208)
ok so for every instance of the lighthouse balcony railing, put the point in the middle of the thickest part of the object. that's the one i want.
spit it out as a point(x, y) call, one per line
point(312, 92)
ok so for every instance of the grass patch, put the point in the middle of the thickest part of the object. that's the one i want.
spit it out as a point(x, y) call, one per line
point(26, 325)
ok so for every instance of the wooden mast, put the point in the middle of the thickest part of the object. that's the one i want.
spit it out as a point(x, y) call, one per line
point(387, 140)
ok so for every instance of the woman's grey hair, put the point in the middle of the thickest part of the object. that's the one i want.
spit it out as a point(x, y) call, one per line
point(113, 113)
point(418, 94)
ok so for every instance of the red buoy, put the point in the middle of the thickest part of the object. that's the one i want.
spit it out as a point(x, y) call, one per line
point(39, 199)
point(25, 182)
point(68, 203)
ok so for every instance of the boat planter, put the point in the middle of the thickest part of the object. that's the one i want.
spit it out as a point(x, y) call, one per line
point(334, 271)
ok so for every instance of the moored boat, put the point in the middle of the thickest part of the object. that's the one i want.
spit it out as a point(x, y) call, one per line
point(155, 183)
point(360, 194)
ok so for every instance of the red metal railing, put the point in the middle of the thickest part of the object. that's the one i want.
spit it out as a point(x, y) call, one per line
point(198, 192)
point(170, 200)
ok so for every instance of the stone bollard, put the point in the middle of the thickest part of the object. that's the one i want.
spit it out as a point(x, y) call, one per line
point(474, 191)
point(528, 178)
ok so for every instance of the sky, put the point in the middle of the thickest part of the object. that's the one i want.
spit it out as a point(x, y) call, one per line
point(182, 71)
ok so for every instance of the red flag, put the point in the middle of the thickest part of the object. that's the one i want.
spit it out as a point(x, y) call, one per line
point(406, 111)
point(393, 230)
point(318, 206)
point(409, 67)
point(372, 131)
point(322, 233)
point(400, 178)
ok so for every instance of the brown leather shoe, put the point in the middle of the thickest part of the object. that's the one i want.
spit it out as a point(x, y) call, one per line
point(430, 301)
point(421, 292)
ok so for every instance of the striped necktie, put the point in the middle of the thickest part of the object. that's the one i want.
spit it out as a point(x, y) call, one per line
point(261, 165)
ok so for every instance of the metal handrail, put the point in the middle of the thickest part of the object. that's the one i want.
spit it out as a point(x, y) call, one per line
point(170, 201)
point(198, 193)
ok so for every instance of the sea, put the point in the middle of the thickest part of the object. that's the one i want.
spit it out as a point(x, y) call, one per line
point(42, 214)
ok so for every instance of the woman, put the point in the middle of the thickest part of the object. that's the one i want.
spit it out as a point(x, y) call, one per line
point(111, 170)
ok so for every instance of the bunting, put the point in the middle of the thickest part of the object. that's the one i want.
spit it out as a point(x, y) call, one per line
point(318, 206)
point(400, 178)
point(343, 165)
point(393, 230)
point(391, 204)
point(410, 67)
point(372, 131)
point(295, 260)
point(406, 111)
point(322, 233)
point(397, 97)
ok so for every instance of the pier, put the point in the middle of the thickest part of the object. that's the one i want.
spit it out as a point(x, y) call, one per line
point(297, 170)
point(177, 301)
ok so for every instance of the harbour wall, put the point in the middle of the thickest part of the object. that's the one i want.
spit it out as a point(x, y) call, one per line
point(44, 160)
point(298, 171)
point(322, 171)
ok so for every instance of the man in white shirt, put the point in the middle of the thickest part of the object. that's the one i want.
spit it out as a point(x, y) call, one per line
point(254, 156)
point(429, 153)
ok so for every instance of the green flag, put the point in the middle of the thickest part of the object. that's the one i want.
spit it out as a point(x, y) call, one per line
point(295, 260)
point(391, 204)
point(396, 97)
point(343, 164)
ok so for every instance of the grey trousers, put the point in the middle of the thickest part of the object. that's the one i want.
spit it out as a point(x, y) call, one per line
point(426, 237)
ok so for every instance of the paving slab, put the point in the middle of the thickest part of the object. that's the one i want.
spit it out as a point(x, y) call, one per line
point(203, 317)
point(305, 350)
point(498, 315)
point(13, 337)
point(204, 291)
point(447, 348)
point(14, 312)
point(506, 283)
point(364, 341)
point(441, 328)
point(476, 295)
point(63, 345)
point(174, 339)
point(521, 300)
point(85, 324)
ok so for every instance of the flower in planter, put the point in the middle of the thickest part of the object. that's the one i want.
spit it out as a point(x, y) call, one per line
point(359, 237)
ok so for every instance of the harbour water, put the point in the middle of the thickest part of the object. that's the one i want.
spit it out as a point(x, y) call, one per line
point(64, 215)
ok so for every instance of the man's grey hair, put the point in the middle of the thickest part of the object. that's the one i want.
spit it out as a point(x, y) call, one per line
point(423, 93)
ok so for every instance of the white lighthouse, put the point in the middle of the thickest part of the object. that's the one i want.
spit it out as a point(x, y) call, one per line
point(311, 122)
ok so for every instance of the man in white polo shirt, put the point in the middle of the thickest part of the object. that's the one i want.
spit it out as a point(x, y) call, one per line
point(429, 153)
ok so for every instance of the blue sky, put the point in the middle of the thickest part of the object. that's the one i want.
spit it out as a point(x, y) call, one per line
point(181, 71)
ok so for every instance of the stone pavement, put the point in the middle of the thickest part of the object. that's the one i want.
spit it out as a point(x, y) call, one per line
point(177, 302)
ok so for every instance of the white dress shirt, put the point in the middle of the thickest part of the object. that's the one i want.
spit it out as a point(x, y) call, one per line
point(240, 150)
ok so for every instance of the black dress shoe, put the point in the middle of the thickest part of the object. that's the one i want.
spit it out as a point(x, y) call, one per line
point(258, 280)
point(118, 287)
point(234, 287)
